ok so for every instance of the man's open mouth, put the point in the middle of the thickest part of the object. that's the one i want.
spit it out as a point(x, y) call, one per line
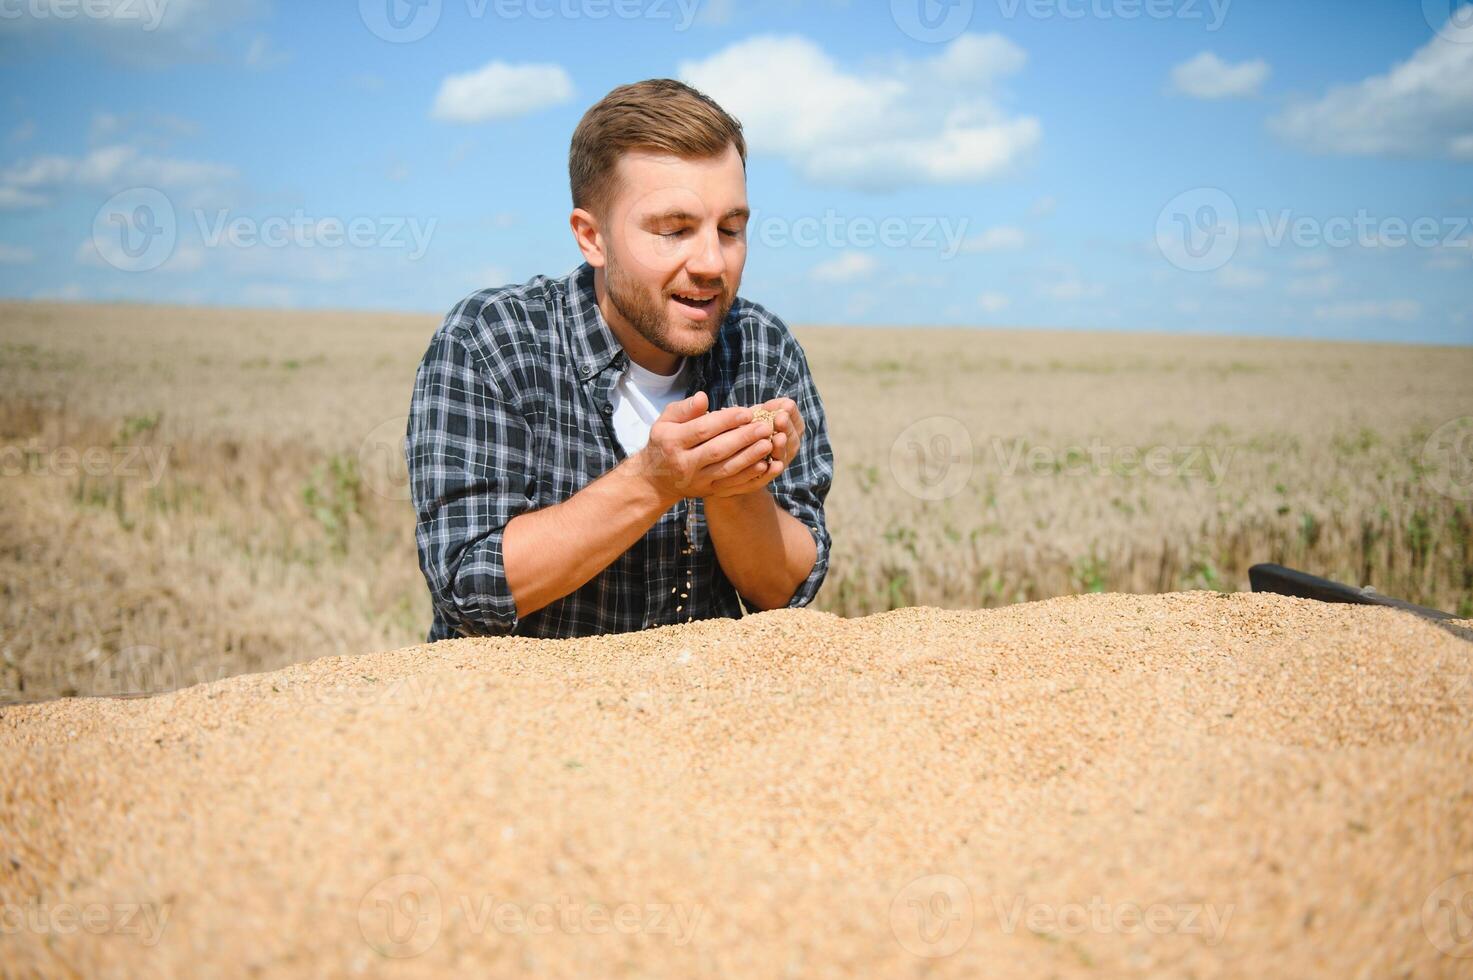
point(697, 305)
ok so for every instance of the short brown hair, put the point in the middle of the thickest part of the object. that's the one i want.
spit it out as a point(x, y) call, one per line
point(658, 114)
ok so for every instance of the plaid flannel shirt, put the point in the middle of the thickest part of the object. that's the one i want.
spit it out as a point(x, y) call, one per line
point(512, 412)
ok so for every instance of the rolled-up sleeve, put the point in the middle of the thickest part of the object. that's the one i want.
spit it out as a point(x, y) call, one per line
point(803, 486)
point(470, 457)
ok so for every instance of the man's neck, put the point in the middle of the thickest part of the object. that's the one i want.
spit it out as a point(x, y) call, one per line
point(640, 351)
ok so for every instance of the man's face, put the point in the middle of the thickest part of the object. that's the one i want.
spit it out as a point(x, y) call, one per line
point(675, 243)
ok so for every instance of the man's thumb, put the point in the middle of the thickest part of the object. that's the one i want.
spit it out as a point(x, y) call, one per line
point(691, 408)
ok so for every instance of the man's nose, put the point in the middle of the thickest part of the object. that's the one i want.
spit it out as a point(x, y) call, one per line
point(707, 259)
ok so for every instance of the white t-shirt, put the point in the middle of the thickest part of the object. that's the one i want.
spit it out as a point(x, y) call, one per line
point(639, 397)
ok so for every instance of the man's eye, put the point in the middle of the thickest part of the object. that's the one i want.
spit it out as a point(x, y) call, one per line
point(733, 232)
point(671, 234)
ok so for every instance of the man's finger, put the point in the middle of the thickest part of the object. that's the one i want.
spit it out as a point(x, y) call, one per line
point(713, 424)
point(730, 444)
point(732, 461)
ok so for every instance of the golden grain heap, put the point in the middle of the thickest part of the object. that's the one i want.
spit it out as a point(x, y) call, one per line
point(1188, 784)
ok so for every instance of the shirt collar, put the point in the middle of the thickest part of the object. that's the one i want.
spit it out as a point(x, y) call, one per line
point(596, 346)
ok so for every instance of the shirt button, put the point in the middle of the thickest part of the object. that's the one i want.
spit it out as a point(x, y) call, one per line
point(608, 408)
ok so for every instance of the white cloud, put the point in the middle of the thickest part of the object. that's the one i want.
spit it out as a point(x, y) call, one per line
point(913, 121)
point(1209, 77)
point(845, 268)
point(113, 167)
point(999, 238)
point(1238, 277)
point(262, 55)
point(15, 198)
point(993, 302)
point(978, 59)
point(1069, 287)
point(1043, 207)
point(154, 129)
point(1322, 285)
point(500, 91)
point(1398, 309)
point(1310, 263)
point(1422, 107)
point(15, 255)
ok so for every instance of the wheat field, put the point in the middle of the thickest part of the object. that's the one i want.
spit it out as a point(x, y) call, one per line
point(190, 494)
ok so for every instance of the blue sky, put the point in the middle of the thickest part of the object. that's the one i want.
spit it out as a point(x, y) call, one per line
point(1223, 166)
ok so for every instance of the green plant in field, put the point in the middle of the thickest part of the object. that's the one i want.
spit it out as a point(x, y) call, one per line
point(1203, 574)
point(136, 425)
point(896, 583)
point(1090, 572)
point(903, 536)
point(1309, 530)
point(1419, 537)
point(333, 496)
point(1362, 442)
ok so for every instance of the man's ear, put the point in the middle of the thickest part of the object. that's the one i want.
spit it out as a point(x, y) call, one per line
point(586, 233)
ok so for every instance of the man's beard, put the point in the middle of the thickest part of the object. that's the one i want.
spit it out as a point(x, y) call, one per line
point(649, 316)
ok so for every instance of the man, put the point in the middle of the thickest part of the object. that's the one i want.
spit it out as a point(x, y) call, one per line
point(583, 453)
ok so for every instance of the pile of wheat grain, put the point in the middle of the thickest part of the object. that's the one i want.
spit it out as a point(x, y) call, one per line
point(1188, 784)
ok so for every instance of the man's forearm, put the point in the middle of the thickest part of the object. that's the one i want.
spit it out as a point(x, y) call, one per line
point(549, 553)
point(765, 552)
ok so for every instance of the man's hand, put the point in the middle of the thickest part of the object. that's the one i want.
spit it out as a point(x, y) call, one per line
point(690, 450)
point(787, 436)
